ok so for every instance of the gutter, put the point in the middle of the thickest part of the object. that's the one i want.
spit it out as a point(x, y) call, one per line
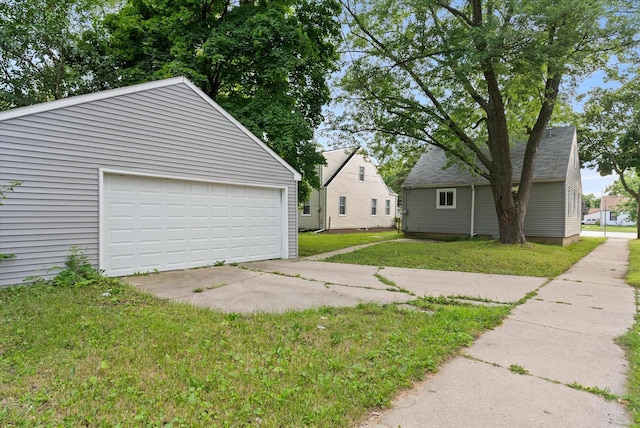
point(473, 210)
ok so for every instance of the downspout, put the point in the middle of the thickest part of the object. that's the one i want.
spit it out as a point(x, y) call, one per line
point(473, 209)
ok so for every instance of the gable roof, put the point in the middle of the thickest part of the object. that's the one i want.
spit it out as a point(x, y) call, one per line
point(551, 164)
point(96, 96)
point(336, 160)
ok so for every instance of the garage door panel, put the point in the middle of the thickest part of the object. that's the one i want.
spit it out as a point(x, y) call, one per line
point(151, 223)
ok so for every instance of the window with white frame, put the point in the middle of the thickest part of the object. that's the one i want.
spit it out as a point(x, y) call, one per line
point(613, 216)
point(374, 207)
point(446, 198)
point(342, 205)
point(360, 173)
point(387, 207)
point(306, 207)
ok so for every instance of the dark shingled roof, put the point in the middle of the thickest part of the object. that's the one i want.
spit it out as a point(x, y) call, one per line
point(551, 163)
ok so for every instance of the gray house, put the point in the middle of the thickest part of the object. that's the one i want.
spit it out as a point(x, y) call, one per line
point(152, 176)
point(451, 201)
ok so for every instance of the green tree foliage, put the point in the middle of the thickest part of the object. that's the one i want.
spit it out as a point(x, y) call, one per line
point(610, 140)
point(49, 50)
point(591, 201)
point(631, 205)
point(266, 62)
point(472, 77)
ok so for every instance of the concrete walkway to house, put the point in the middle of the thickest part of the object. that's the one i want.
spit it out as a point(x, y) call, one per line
point(565, 335)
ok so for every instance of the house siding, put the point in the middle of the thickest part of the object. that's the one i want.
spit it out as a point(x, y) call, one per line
point(544, 214)
point(545, 211)
point(486, 220)
point(573, 181)
point(316, 215)
point(359, 195)
point(57, 154)
point(421, 214)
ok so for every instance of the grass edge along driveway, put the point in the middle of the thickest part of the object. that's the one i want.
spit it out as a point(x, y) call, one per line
point(103, 353)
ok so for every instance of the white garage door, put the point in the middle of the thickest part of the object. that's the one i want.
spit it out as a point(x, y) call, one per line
point(166, 224)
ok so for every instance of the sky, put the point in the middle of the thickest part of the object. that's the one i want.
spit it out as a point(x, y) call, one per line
point(592, 181)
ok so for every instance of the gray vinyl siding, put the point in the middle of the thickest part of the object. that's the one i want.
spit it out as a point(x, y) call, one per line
point(544, 214)
point(545, 211)
point(573, 224)
point(421, 214)
point(486, 220)
point(57, 154)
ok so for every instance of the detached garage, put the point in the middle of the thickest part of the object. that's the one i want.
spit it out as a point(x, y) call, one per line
point(149, 177)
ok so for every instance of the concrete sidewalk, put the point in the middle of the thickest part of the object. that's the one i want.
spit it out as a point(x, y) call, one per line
point(565, 335)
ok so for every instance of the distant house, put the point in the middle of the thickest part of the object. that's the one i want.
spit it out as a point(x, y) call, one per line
point(451, 201)
point(609, 212)
point(149, 177)
point(352, 196)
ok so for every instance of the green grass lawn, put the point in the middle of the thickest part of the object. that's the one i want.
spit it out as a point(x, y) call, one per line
point(474, 256)
point(96, 352)
point(105, 354)
point(593, 227)
point(632, 339)
point(310, 243)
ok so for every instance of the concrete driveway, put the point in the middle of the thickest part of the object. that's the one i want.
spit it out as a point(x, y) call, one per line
point(281, 285)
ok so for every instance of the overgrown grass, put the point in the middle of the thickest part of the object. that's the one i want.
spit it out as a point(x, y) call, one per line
point(474, 256)
point(631, 340)
point(310, 243)
point(105, 354)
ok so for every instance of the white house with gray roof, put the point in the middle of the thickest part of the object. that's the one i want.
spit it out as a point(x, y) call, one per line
point(440, 201)
point(149, 177)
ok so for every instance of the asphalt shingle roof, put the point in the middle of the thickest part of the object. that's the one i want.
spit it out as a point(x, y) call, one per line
point(551, 163)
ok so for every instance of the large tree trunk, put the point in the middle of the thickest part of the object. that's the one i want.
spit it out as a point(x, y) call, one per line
point(510, 214)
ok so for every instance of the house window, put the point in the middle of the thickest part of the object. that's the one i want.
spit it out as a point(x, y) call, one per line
point(446, 198)
point(613, 216)
point(387, 207)
point(374, 207)
point(342, 205)
point(360, 173)
point(306, 207)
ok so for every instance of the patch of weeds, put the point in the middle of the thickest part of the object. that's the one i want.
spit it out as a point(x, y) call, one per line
point(198, 290)
point(529, 295)
point(384, 280)
point(518, 369)
point(234, 264)
point(216, 285)
point(604, 393)
point(219, 263)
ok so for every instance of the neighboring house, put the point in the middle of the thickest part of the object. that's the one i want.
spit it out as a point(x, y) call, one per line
point(609, 212)
point(353, 195)
point(452, 201)
point(152, 176)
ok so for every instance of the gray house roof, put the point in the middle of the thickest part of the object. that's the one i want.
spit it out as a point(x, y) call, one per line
point(551, 163)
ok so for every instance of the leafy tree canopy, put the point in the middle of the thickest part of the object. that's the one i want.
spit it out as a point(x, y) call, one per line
point(631, 205)
point(472, 77)
point(266, 62)
point(49, 50)
point(591, 201)
point(610, 138)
